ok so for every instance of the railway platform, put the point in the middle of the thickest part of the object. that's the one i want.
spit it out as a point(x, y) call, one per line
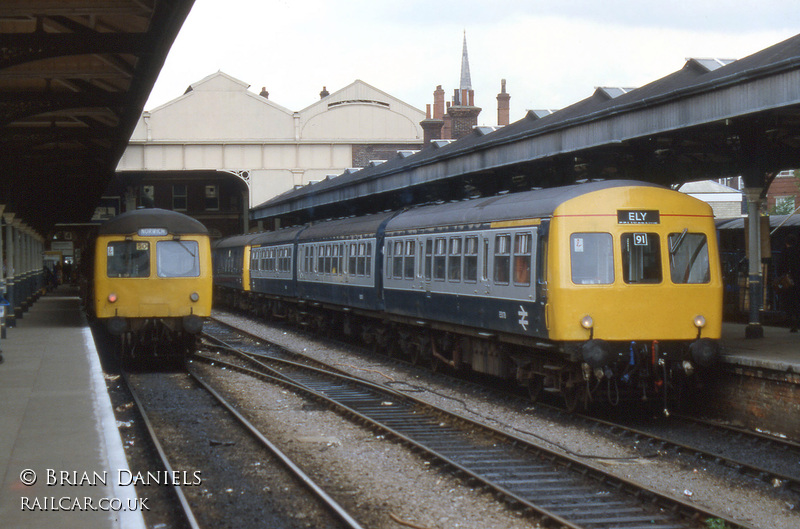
point(758, 386)
point(778, 350)
point(61, 456)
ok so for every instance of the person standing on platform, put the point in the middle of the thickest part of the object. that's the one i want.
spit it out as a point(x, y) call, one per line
point(788, 283)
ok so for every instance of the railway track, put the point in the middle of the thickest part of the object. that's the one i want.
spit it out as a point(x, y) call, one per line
point(560, 490)
point(729, 447)
point(185, 510)
point(764, 458)
point(326, 512)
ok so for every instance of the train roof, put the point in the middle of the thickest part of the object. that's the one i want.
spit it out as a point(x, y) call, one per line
point(132, 221)
point(349, 227)
point(528, 204)
point(235, 240)
point(284, 235)
point(737, 223)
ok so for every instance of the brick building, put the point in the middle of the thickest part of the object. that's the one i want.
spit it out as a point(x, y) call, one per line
point(458, 117)
point(783, 196)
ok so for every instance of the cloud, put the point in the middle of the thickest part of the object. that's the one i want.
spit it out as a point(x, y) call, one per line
point(552, 52)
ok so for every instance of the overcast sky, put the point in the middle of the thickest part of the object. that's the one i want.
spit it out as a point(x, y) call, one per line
point(551, 52)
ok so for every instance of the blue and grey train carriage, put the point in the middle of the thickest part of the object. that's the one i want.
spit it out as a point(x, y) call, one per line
point(604, 290)
point(231, 262)
point(339, 262)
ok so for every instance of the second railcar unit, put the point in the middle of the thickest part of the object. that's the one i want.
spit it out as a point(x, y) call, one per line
point(605, 290)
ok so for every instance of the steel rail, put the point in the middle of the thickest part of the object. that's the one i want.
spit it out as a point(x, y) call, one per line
point(304, 478)
point(758, 472)
point(667, 504)
point(187, 510)
point(745, 468)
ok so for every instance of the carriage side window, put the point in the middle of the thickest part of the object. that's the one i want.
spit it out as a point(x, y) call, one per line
point(368, 270)
point(502, 259)
point(308, 259)
point(128, 259)
point(285, 262)
point(439, 259)
point(428, 259)
point(522, 259)
point(454, 259)
point(179, 197)
point(471, 259)
point(178, 259)
point(328, 249)
point(485, 271)
point(592, 258)
point(641, 258)
point(362, 258)
point(408, 260)
point(351, 262)
point(688, 258)
point(397, 260)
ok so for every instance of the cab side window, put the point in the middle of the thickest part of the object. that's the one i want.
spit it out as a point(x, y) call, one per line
point(592, 258)
point(177, 259)
point(128, 259)
point(641, 258)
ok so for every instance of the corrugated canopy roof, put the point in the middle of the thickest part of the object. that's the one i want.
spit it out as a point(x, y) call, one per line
point(712, 118)
point(74, 77)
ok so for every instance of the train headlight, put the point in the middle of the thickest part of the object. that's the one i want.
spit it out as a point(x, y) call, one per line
point(194, 296)
point(587, 322)
point(699, 321)
point(112, 298)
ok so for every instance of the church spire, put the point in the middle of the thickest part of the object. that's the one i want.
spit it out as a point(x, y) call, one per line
point(466, 82)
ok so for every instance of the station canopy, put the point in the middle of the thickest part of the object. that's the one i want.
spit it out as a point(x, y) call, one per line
point(74, 78)
point(711, 119)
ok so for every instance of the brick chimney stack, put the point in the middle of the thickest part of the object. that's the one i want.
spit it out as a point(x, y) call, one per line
point(455, 120)
point(438, 102)
point(432, 126)
point(503, 105)
point(324, 93)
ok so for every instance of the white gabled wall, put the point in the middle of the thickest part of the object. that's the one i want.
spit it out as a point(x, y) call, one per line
point(219, 124)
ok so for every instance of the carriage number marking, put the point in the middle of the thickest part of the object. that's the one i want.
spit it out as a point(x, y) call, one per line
point(523, 317)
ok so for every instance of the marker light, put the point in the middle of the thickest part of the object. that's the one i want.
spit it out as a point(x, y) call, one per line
point(587, 322)
point(112, 298)
point(699, 321)
point(194, 296)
